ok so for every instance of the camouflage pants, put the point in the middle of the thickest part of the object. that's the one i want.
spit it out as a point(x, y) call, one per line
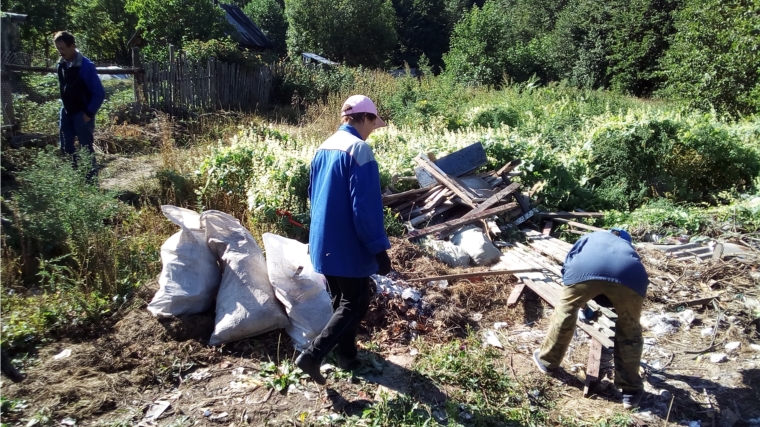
point(628, 341)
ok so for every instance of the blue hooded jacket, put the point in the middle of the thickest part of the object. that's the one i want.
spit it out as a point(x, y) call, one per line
point(604, 256)
point(347, 228)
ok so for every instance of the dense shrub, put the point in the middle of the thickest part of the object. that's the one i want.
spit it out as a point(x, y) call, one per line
point(56, 209)
point(635, 159)
point(269, 15)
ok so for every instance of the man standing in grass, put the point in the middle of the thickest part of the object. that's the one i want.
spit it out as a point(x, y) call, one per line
point(602, 263)
point(347, 240)
point(82, 94)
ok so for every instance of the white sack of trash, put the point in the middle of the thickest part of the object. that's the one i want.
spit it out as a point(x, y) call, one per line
point(190, 277)
point(245, 305)
point(298, 287)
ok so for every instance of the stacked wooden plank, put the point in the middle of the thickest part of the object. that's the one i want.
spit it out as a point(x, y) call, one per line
point(452, 194)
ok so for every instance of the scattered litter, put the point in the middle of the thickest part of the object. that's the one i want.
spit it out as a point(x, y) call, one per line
point(718, 357)
point(245, 382)
point(200, 374)
point(665, 394)
point(732, 346)
point(755, 347)
point(62, 355)
point(477, 317)
point(500, 325)
point(491, 339)
point(706, 332)
point(69, 422)
point(441, 284)
point(686, 317)
point(387, 286)
point(656, 365)
point(206, 413)
point(219, 416)
point(414, 352)
point(327, 368)
point(156, 409)
point(660, 324)
point(694, 423)
point(410, 294)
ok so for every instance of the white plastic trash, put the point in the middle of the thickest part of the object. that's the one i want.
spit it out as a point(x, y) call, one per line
point(448, 253)
point(190, 275)
point(245, 305)
point(298, 287)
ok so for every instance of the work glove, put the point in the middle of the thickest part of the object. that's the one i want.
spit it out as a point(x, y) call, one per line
point(383, 263)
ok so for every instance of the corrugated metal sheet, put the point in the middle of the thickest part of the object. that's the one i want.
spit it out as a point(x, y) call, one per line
point(317, 58)
point(249, 35)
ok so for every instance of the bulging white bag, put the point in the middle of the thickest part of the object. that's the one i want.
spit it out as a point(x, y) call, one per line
point(474, 242)
point(448, 253)
point(245, 304)
point(190, 275)
point(298, 287)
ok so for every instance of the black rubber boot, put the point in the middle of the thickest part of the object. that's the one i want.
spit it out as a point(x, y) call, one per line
point(311, 367)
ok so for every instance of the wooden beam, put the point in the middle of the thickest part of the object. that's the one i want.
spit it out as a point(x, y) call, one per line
point(547, 230)
point(454, 223)
point(24, 68)
point(400, 196)
point(571, 214)
point(473, 274)
point(444, 179)
point(578, 224)
point(592, 369)
point(509, 167)
point(493, 200)
point(514, 296)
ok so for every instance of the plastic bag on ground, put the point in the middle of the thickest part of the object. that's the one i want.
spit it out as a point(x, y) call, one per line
point(245, 304)
point(298, 287)
point(474, 242)
point(190, 275)
point(448, 253)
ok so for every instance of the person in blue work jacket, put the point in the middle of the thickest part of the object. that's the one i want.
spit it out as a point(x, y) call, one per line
point(602, 263)
point(347, 240)
point(82, 94)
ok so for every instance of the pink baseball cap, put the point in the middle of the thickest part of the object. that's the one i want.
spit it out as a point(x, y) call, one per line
point(361, 104)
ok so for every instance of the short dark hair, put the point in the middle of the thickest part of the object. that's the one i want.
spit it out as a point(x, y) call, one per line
point(358, 117)
point(64, 36)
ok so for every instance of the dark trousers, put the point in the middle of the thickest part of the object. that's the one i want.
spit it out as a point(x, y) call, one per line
point(351, 297)
point(73, 126)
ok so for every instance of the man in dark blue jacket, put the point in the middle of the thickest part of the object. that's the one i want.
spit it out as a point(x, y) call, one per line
point(347, 240)
point(602, 263)
point(82, 94)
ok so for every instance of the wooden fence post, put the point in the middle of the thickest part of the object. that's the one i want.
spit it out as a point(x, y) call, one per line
point(138, 78)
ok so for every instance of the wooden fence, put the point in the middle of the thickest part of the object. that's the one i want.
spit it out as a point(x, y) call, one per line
point(181, 85)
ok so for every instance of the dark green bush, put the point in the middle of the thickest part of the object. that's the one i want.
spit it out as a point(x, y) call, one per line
point(647, 159)
point(497, 116)
point(56, 209)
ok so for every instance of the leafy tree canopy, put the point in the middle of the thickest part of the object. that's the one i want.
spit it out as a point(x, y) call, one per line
point(269, 15)
point(356, 33)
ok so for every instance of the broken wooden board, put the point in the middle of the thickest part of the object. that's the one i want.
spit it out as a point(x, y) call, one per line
point(592, 368)
point(454, 223)
point(514, 296)
point(473, 275)
point(455, 164)
point(578, 224)
point(493, 200)
point(442, 177)
point(571, 214)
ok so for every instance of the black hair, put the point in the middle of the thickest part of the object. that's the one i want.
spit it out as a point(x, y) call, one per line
point(64, 36)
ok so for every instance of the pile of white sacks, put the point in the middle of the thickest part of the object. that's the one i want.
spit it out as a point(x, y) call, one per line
point(466, 245)
point(214, 259)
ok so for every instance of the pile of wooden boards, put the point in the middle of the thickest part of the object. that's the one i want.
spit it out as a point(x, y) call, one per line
point(451, 194)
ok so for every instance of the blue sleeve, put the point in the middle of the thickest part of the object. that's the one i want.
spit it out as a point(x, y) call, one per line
point(367, 205)
point(90, 76)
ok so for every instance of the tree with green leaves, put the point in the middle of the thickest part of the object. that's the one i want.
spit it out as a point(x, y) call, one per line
point(103, 28)
point(714, 60)
point(44, 18)
point(165, 22)
point(269, 15)
point(355, 33)
point(424, 27)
